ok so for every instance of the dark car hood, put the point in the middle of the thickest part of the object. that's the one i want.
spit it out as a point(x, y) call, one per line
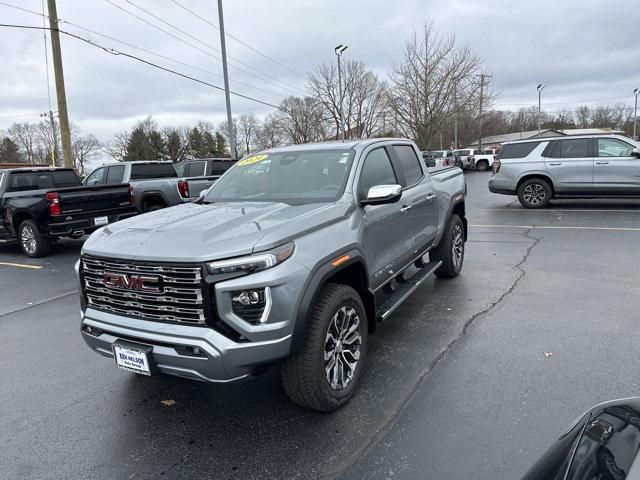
point(196, 232)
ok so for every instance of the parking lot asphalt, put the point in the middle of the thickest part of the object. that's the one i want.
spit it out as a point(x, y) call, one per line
point(471, 378)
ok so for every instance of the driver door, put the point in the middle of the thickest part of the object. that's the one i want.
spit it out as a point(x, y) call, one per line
point(387, 232)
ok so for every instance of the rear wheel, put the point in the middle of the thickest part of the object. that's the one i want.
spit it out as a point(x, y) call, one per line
point(450, 250)
point(482, 165)
point(32, 242)
point(534, 193)
point(324, 374)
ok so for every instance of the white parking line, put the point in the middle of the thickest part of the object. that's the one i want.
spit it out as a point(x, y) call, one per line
point(559, 227)
point(21, 265)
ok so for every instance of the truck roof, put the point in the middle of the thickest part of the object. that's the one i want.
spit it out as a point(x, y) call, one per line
point(34, 169)
point(334, 144)
point(571, 137)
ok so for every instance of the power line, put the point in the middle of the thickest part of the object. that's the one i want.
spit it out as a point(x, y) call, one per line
point(115, 52)
point(205, 51)
point(140, 48)
point(238, 40)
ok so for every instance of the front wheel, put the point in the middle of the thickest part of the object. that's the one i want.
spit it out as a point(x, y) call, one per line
point(450, 251)
point(534, 193)
point(324, 374)
point(32, 242)
point(482, 165)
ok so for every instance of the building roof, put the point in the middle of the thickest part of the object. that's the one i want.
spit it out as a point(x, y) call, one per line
point(529, 134)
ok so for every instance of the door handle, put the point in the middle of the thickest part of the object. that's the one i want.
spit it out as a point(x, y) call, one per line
point(431, 196)
point(405, 208)
point(602, 163)
point(555, 163)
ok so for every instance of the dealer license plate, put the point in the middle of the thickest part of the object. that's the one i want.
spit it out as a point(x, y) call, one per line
point(101, 220)
point(131, 359)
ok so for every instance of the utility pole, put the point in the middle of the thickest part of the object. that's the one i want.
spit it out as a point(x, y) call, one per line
point(225, 72)
point(56, 52)
point(440, 140)
point(636, 92)
point(482, 77)
point(339, 50)
point(540, 88)
point(54, 138)
point(455, 121)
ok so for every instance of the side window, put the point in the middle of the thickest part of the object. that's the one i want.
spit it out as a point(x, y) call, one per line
point(115, 175)
point(181, 168)
point(97, 177)
point(409, 163)
point(196, 169)
point(574, 148)
point(612, 147)
point(377, 170)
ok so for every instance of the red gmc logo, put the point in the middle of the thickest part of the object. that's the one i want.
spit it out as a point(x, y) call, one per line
point(141, 283)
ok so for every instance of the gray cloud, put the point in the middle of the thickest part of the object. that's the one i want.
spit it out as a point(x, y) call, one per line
point(586, 51)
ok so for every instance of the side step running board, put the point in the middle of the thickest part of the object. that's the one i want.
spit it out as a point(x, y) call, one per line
point(406, 289)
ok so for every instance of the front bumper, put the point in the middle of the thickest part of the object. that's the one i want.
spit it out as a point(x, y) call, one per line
point(220, 360)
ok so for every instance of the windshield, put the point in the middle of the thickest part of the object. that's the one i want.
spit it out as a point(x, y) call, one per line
point(290, 177)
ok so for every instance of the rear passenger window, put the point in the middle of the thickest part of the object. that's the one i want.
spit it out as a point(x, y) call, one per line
point(115, 175)
point(517, 150)
point(410, 163)
point(377, 170)
point(612, 147)
point(574, 148)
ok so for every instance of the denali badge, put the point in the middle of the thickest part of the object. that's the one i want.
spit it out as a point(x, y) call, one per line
point(140, 283)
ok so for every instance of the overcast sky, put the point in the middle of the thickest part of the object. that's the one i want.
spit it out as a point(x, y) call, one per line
point(587, 51)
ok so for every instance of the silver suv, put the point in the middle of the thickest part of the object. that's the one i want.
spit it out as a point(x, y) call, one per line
point(567, 167)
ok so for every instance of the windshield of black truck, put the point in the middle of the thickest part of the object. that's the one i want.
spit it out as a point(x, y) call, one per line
point(290, 177)
point(148, 171)
point(21, 181)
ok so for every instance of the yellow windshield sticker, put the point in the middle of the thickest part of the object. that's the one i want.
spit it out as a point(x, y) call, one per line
point(253, 159)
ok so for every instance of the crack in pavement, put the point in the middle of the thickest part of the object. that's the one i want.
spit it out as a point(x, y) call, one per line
point(37, 304)
point(353, 459)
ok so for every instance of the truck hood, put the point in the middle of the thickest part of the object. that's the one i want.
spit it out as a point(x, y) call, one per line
point(196, 233)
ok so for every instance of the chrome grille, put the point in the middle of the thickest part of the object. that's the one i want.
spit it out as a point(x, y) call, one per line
point(179, 300)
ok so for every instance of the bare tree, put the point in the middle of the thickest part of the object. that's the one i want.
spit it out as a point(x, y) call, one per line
point(363, 97)
point(435, 79)
point(117, 148)
point(84, 148)
point(26, 136)
point(224, 130)
point(301, 120)
point(248, 125)
point(269, 135)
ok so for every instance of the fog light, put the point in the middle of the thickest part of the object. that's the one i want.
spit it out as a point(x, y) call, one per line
point(248, 298)
point(253, 306)
point(196, 350)
point(88, 329)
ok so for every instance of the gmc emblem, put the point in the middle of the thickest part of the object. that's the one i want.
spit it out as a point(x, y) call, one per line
point(140, 283)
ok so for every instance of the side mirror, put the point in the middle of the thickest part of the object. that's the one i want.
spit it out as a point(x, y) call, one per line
point(635, 152)
point(381, 194)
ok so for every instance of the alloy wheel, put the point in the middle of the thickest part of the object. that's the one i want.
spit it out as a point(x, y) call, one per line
point(457, 248)
point(342, 347)
point(534, 194)
point(28, 239)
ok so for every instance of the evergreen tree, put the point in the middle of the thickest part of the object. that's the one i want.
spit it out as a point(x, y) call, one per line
point(210, 147)
point(156, 147)
point(136, 145)
point(9, 151)
point(174, 145)
point(196, 143)
point(221, 146)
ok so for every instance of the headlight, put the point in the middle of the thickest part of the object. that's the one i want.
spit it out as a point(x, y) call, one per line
point(253, 263)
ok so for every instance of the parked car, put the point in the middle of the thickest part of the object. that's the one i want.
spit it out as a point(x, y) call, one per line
point(200, 174)
point(290, 258)
point(40, 205)
point(602, 444)
point(154, 183)
point(482, 160)
point(560, 167)
point(440, 158)
point(465, 155)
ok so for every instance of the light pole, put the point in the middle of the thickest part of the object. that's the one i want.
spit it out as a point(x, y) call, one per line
point(636, 92)
point(540, 88)
point(339, 50)
point(223, 45)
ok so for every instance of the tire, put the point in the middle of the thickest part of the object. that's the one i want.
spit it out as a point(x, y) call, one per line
point(32, 242)
point(306, 375)
point(450, 250)
point(535, 193)
point(482, 166)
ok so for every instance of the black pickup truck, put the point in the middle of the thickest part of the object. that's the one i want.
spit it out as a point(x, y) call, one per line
point(40, 205)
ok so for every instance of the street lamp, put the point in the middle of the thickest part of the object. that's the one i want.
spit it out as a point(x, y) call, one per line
point(636, 92)
point(339, 50)
point(540, 88)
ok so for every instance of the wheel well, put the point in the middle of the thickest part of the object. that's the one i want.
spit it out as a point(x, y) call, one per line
point(150, 200)
point(459, 209)
point(535, 175)
point(18, 219)
point(355, 275)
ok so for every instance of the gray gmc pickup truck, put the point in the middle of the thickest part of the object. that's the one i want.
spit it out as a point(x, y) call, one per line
point(290, 258)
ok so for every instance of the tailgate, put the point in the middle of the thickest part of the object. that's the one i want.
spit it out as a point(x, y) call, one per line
point(94, 198)
point(197, 184)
